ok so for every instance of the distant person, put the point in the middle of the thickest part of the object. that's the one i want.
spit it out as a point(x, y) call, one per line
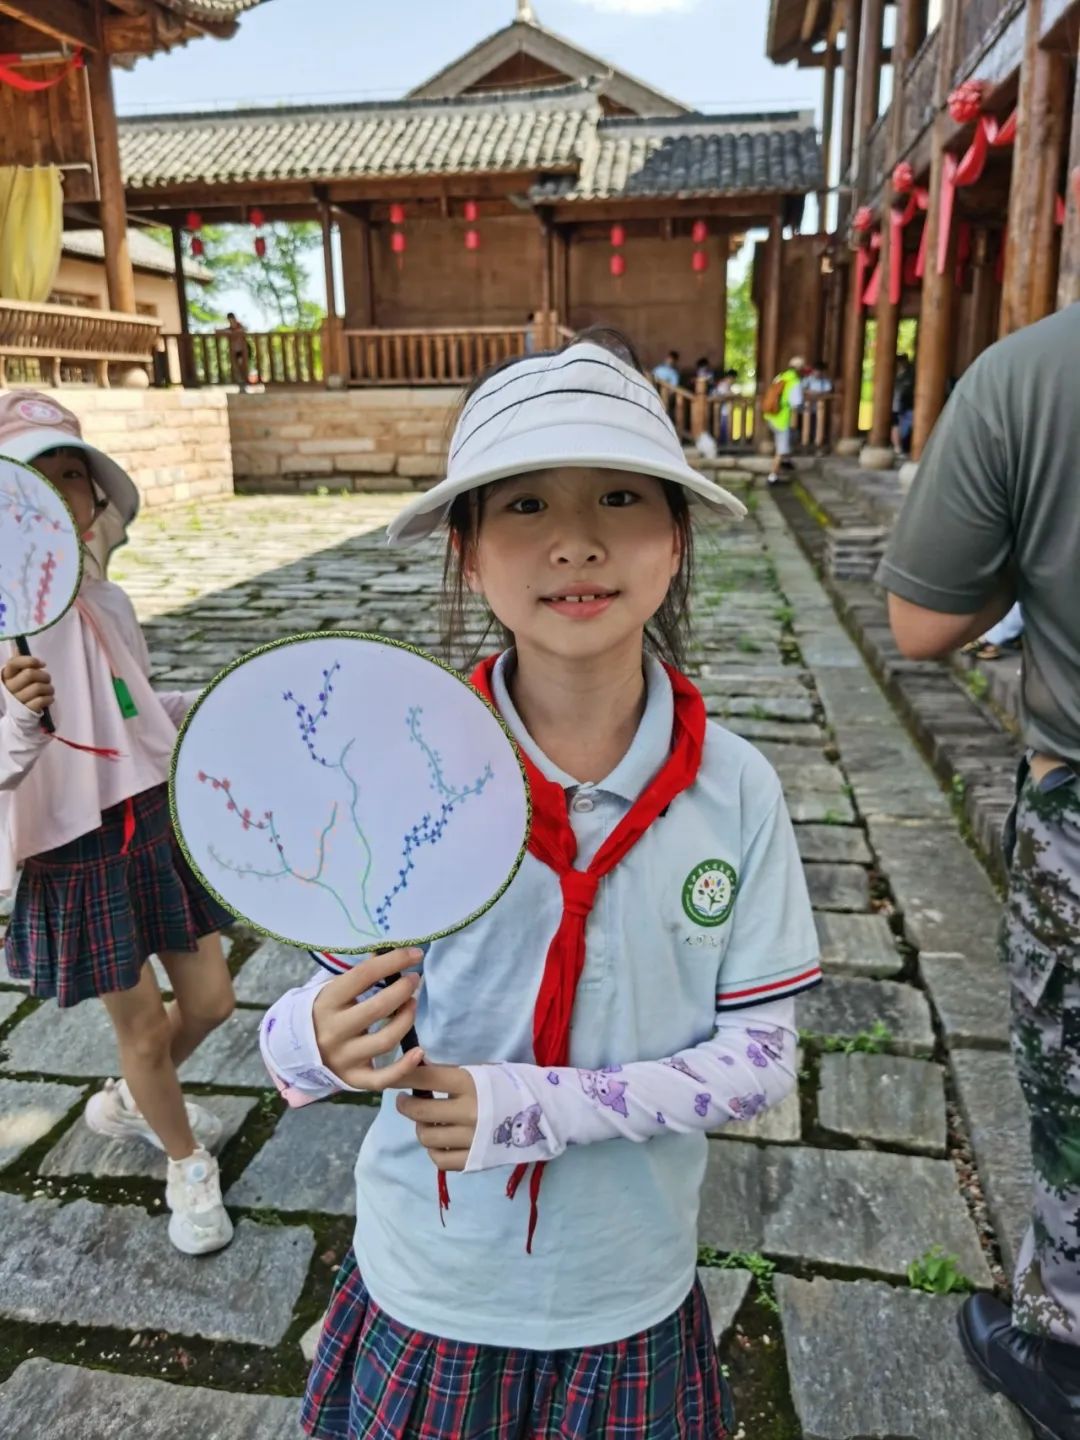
point(903, 404)
point(724, 390)
point(782, 399)
point(239, 356)
point(530, 333)
point(667, 372)
point(816, 386)
point(818, 382)
point(703, 370)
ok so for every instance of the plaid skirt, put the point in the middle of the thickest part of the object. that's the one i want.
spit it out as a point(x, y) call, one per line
point(374, 1379)
point(87, 916)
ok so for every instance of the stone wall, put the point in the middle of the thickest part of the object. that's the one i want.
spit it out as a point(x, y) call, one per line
point(292, 441)
point(173, 443)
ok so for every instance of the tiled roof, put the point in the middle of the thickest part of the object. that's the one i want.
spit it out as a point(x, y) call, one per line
point(543, 131)
point(214, 11)
point(561, 131)
point(146, 253)
point(696, 156)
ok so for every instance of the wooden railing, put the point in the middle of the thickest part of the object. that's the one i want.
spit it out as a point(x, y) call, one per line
point(733, 420)
point(442, 356)
point(273, 357)
point(50, 344)
point(874, 157)
point(982, 22)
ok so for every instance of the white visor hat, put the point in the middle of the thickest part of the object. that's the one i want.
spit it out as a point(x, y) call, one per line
point(583, 406)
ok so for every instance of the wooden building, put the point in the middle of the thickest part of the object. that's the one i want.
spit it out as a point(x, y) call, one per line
point(958, 124)
point(526, 177)
point(57, 111)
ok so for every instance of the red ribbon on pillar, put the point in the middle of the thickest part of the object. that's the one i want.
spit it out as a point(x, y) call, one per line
point(873, 285)
point(18, 81)
point(989, 135)
point(899, 220)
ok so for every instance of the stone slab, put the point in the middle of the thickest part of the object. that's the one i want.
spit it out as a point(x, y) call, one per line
point(838, 887)
point(848, 1006)
point(888, 1099)
point(725, 1291)
point(828, 806)
point(81, 1152)
point(867, 1210)
point(308, 1162)
point(857, 945)
point(10, 1000)
point(113, 1265)
point(997, 1118)
point(972, 998)
point(28, 1111)
point(270, 970)
point(80, 1041)
point(869, 1362)
point(835, 843)
point(948, 904)
point(41, 1399)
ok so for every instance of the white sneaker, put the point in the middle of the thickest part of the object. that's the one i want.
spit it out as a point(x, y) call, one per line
point(199, 1222)
point(109, 1112)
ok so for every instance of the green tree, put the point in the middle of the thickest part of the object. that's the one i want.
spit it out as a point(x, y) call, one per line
point(740, 341)
point(277, 282)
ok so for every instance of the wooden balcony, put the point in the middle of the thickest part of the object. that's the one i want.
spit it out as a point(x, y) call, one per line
point(57, 344)
point(272, 357)
point(920, 82)
point(875, 156)
point(981, 26)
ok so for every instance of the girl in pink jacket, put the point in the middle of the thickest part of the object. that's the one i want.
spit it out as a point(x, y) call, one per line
point(103, 885)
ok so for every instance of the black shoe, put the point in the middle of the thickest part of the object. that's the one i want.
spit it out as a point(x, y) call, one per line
point(1041, 1377)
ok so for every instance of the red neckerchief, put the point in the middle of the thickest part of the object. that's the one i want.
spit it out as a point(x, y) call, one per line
point(552, 840)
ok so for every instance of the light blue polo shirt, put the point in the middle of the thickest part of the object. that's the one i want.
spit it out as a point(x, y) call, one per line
point(616, 1245)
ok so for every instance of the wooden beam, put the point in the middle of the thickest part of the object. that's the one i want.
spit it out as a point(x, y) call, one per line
point(887, 316)
point(851, 372)
point(64, 20)
point(770, 307)
point(326, 220)
point(1027, 291)
point(112, 207)
point(811, 16)
point(1069, 269)
point(869, 85)
point(828, 105)
point(837, 20)
point(181, 278)
point(933, 359)
point(850, 61)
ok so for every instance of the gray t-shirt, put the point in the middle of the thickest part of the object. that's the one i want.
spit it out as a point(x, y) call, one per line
point(999, 483)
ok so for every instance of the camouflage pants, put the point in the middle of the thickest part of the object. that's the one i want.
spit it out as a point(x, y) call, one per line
point(1040, 941)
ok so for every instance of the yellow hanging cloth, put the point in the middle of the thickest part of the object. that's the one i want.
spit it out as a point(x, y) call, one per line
point(31, 231)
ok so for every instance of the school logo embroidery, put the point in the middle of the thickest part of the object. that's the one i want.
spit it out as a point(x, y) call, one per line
point(39, 412)
point(709, 892)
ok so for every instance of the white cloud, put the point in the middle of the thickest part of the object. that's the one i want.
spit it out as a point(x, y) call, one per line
point(641, 7)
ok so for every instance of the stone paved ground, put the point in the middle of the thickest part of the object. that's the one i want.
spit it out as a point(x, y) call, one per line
point(811, 1217)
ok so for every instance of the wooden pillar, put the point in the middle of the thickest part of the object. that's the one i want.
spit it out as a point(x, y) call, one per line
point(181, 278)
point(547, 276)
point(850, 59)
point(888, 322)
point(560, 266)
point(722, 303)
point(854, 345)
point(869, 87)
point(828, 104)
point(933, 360)
point(982, 317)
point(1069, 268)
point(770, 304)
point(333, 359)
point(568, 299)
point(1030, 259)
point(112, 206)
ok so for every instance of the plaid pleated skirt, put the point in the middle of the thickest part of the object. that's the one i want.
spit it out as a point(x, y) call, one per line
point(87, 915)
point(374, 1379)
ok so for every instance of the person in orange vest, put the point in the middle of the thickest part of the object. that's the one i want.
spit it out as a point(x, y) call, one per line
point(783, 397)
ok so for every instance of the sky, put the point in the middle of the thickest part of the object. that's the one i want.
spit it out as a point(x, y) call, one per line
point(709, 54)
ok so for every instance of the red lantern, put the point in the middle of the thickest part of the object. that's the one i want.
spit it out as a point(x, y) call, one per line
point(397, 242)
point(700, 233)
point(863, 220)
point(471, 211)
point(197, 246)
point(966, 101)
point(700, 262)
point(472, 239)
point(618, 236)
point(617, 265)
point(257, 218)
point(260, 246)
point(397, 214)
point(193, 220)
point(903, 178)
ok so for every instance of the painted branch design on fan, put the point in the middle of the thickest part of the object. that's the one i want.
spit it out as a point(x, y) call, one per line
point(367, 919)
point(23, 598)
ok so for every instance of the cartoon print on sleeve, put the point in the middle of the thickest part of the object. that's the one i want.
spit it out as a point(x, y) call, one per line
point(678, 1063)
point(599, 1086)
point(745, 1107)
point(702, 1103)
point(521, 1130)
point(765, 1045)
